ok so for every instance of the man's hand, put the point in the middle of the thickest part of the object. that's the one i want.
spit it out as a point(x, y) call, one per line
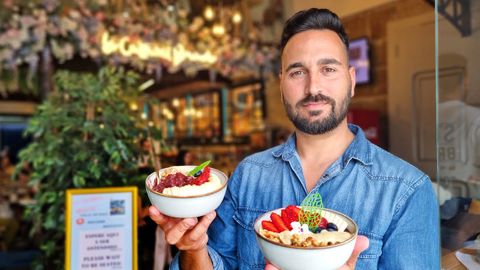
point(189, 234)
point(361, 245)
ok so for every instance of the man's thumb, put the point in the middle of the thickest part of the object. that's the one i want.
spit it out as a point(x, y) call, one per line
point(360, 245)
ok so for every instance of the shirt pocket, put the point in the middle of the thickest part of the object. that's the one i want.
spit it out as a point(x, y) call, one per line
point(248, 252)
point(371, 256)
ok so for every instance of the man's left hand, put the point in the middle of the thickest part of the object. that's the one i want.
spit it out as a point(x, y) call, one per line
point(361, 245)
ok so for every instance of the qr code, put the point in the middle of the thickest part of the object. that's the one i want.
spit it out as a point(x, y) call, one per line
point(117, 207)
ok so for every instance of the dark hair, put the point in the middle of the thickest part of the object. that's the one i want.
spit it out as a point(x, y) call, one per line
point(312, 19)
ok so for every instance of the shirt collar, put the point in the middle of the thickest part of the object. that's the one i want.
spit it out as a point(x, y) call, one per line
point(287, 149)
point(359, 149)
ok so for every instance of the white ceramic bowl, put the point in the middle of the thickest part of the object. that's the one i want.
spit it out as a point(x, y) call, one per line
point(189, 206)
point(287, 257)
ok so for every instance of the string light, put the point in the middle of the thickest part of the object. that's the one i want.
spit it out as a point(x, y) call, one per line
point(133, 106)
point(237, 17)
point(209, 13)
point(218, 29)
point(175, 102)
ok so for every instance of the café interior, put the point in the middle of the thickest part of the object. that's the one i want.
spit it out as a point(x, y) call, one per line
point(218, 99)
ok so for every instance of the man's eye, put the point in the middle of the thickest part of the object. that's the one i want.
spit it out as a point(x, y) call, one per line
point(329, 70)
point(297, 73)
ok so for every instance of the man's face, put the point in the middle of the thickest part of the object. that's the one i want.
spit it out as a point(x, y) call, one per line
point(315, 81)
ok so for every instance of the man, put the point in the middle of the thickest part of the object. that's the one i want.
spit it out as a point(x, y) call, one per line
point(391, 201)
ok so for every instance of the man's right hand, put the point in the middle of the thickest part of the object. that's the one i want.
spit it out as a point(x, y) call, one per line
point(188, 234)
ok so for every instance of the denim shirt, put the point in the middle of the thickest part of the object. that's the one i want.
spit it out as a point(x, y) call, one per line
point(392, 202)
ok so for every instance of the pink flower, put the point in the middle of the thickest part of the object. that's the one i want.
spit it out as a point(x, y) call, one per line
point(100, 16)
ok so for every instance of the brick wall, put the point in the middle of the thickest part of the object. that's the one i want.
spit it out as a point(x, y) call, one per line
point(373, 24)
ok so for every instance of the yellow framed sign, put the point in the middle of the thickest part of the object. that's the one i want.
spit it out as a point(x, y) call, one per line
point(101, 228)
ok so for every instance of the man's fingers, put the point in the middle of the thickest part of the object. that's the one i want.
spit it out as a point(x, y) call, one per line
point(196, 245)
point(360, 245)
point(185, 233)
point(270, 267)
point(179, 230)
point(156, 216)
point(202, 226)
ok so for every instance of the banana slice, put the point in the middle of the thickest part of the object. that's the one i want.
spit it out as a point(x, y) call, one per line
point(338, 220)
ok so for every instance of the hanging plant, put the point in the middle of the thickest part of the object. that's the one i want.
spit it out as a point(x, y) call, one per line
point(77, 28)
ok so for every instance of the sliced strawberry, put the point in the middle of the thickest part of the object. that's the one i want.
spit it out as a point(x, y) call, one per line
point(278, 222)
point(293, 212)
point(202, 178)
point(286, 219)
point(268, 225)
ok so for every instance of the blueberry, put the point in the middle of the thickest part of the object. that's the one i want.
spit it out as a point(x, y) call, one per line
point(318, 230)
point(331, 227)
point(197, 174)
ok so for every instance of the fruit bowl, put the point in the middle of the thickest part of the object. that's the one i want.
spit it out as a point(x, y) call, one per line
point(327, 256)
point(193, 202)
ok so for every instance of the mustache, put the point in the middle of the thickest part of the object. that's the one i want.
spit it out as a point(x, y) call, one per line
point(316, 98)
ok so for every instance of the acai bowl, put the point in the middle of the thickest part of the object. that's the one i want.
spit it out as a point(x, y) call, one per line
point(178, 194)
point(305, 237)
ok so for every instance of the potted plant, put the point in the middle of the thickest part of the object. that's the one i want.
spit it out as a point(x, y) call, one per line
point(84, 135)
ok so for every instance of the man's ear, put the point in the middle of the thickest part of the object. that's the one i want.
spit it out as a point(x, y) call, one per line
point(280, 75)
point(281, 92)
point(353, 79)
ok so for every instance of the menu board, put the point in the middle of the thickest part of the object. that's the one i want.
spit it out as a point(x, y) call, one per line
point(101, 228)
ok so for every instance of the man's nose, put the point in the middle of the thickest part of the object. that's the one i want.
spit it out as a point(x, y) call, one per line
point(315, 84)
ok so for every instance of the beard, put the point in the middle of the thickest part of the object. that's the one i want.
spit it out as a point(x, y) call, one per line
point(321, 126)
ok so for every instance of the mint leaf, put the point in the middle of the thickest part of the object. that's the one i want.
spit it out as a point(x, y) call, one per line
point(199, 168)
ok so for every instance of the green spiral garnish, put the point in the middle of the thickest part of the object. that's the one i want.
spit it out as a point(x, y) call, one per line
point(311, 214)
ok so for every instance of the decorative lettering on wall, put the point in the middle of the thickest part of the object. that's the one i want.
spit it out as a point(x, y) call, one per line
point(176, 55)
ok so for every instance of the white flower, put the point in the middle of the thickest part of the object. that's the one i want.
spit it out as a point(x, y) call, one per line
point(68, 24)
point(299, 228)
point(75, 14)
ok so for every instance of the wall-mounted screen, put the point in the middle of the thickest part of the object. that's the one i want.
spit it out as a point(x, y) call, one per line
point(360, 59)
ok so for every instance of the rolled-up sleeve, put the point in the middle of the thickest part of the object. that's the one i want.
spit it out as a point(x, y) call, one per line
point(216, 260)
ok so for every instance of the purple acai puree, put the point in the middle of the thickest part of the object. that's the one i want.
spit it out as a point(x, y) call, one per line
point(173, 180)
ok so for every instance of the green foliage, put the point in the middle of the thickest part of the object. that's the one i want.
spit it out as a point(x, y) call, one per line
point(84, 136)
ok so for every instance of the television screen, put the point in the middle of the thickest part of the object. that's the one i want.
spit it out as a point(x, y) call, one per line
point(360, 59)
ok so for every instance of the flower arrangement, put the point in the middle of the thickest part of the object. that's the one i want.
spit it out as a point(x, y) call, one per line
point(64, 29)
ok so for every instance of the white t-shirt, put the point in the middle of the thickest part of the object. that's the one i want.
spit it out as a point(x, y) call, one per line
point(459, 144)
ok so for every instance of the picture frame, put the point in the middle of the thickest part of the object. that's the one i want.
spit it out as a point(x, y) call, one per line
point(101, 228)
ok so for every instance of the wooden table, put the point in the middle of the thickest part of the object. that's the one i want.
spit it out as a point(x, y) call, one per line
point(450, 261)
